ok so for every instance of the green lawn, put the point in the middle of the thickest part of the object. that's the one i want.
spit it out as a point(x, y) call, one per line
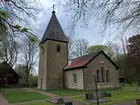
point(122, 97)
point(20, 95)
point(65, 92)
point(39, 103)
point(127, 93)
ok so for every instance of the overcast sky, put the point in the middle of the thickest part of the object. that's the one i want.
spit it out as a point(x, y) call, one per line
point(92, 33)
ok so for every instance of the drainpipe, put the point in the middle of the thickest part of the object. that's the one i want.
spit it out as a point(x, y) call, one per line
point(84, 78)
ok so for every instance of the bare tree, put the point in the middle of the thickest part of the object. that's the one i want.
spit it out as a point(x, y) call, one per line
point(70, 47)
point(15, 12)
point(121, 14)
point(21, 70)
point(30, 52)
point(80, 47)
point(115, 49)
point(120, 57)
point(8, 49)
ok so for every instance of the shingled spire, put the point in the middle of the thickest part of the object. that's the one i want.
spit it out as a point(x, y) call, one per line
point(54, 31)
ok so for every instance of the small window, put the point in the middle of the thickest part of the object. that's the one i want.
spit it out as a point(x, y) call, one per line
point(75, 78)
point(98, 76)
point(58, 48)
point(102, 72)
point(41, 69)
point(107, 76)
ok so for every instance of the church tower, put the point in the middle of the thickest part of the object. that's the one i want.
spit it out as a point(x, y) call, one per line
point(53, 56)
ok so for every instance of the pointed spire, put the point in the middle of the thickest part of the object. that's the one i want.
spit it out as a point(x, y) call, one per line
point(54, 31)
point(53, 8)
point(53, 12)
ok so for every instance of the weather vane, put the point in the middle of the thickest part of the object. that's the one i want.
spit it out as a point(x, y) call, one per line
point(53, 7)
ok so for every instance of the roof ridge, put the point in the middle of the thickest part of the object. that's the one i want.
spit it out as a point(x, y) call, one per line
point(88, 54)
point(80, 57)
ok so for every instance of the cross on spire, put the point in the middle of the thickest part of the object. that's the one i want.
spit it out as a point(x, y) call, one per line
point(53, 8)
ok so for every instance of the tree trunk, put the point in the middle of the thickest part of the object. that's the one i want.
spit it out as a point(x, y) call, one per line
point(6, 80)
point(27, 78)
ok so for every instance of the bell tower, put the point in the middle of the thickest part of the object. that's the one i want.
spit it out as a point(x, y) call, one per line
point(53, 56)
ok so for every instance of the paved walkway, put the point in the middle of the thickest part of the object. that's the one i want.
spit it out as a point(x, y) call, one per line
point(42, 92)
point(56, 96)
point(127, 103)
point(3, 101)
point(28, 102)
point(76, 102)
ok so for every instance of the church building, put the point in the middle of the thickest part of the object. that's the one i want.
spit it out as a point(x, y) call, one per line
point(80, 73)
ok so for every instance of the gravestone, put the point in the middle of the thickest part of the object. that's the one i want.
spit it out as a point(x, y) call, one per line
point(105, 94)
point(102, 94)
point(60, 101)
point(138, 101)
point(138, 89)
point(68, 103)
point(89, 96)
point(138, 83)
point(108, 95)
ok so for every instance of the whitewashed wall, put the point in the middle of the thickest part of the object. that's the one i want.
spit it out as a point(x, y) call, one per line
point(69, 82)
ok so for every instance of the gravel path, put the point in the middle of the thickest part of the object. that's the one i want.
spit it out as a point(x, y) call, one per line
point(56, 96)
point(127, 103)
point(3, 101)
point(77, 102)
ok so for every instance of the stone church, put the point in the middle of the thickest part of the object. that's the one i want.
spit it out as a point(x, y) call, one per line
point(80, 73)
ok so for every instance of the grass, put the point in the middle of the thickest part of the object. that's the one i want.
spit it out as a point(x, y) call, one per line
point(118, 97)
point(65, 92)
point(39, 103)
point(20, 95)
point(127, 93)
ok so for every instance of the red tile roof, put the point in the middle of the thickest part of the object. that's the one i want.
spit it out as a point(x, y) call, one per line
point(84, 60)
point(80, 61)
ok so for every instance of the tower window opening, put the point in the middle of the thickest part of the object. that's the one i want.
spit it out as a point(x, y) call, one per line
point(58, 48)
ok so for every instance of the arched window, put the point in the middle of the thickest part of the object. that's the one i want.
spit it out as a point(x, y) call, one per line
point(102, 72)
point(58, 48)
point(75, 78)
point(98, 76)
point(107, 76)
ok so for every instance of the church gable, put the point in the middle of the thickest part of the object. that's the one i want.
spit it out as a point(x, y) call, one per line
point(102, 59)
point(91, 65)
point(104, 69)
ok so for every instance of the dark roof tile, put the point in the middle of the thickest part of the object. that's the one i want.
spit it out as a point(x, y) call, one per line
point(54, 31)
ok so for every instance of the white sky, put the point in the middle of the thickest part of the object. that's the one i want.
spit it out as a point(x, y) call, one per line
point(92, 33)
